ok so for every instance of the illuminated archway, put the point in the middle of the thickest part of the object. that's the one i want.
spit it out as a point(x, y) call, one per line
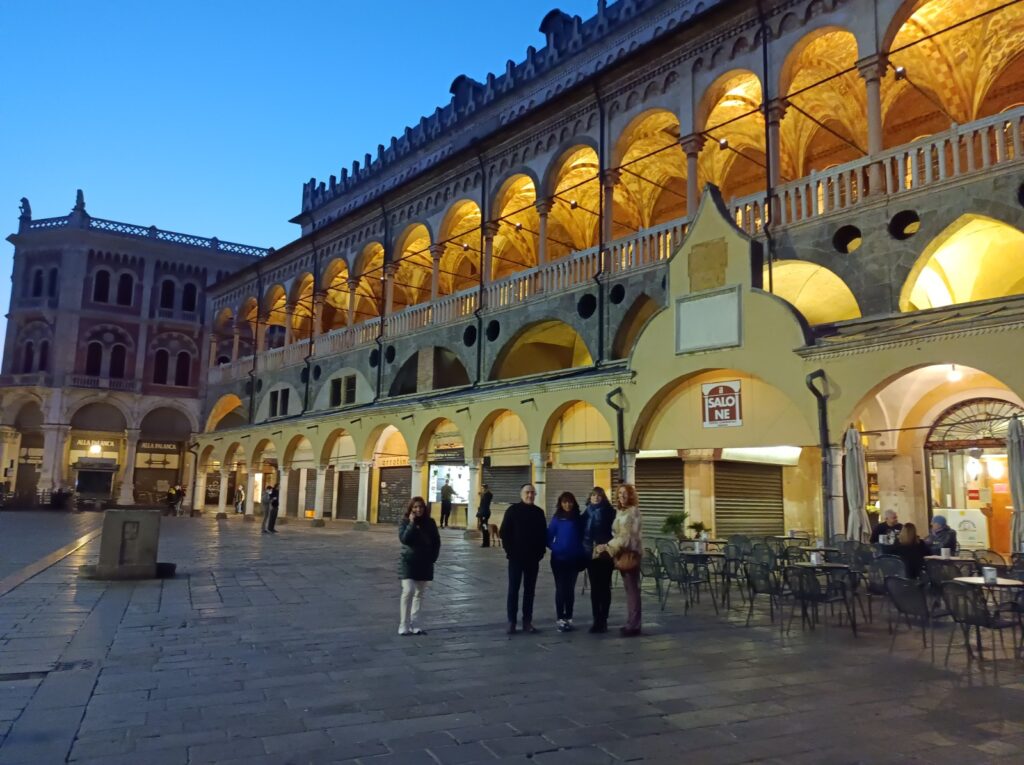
point(302, 307)
point(516, 243)
point(412, 275)
point(460, 262)
point(576, 199)
point(337, 296)
point(815, 291)
point(547, 346)
point(730, 115)
point(369, 272)
point(827, 100)
point(975, 258)
point(275, 313)
point(226, 413)
point(652, 182)
point(577, 433)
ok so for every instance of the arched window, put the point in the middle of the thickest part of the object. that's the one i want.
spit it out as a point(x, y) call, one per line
point(44, 356)
point(27, 357)
point(101, 287)
point(125, 288)
point(167, 294)
point(117, 359)
point(94, 359)
point(37, 283)
point(188, 298)
point(51, 286)
point(160, 362)
point(182, 368)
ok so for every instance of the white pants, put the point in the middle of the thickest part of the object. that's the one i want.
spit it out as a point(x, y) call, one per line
point(412, 599)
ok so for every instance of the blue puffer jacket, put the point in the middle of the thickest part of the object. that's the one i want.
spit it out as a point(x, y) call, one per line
point(597, 525)
point(565, 537)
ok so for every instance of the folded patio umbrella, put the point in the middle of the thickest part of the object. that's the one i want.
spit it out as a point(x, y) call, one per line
point(1015, 453)
point(856, 484)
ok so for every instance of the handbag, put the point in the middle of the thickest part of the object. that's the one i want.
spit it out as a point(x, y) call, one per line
point(627, 560)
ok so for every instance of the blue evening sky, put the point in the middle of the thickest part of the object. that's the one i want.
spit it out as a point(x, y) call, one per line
point(207, 117)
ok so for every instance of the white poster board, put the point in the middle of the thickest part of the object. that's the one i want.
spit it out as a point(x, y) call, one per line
point(971, 527)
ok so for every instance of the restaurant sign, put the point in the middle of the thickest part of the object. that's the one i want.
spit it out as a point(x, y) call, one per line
point(722, 404)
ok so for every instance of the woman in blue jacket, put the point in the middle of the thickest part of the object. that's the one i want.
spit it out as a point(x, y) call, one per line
point(565, 540)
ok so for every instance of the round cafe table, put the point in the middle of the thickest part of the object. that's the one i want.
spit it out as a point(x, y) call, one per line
point(954, 559)
point(979, 581)
point(820, 549)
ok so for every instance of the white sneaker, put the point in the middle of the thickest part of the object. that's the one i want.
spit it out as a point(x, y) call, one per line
point(404, 631)
point(560, 623)
point(568, 625)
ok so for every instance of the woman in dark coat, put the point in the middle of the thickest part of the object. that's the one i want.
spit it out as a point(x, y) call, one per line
point(421, 544)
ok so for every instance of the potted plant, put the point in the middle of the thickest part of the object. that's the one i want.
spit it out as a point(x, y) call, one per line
point(675, 524)
point(698, 528)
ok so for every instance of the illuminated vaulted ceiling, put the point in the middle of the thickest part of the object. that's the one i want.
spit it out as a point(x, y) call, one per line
point(412, 277)
point(734, 116)
point(813, 290)
point(650, 148)
point(515, 245)
point(976, 258)
point(959, 67)
point(460, 264)
point(577, 181)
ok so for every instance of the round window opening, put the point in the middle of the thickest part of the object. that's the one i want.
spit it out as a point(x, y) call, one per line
point(618, 294)
point(847, 239)
point(317, 371)
point(389, 354)
point(259, 385)
point(904, 224)
point(493, 330)
point(586, 306)
point(469, 336)
point(304, 375)
point(374, 357)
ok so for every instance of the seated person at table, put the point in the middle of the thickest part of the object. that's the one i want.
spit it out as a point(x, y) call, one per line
point(941, 536)
point(912, 549)
point(889, 525)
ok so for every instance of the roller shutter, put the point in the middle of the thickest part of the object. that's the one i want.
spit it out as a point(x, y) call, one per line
point(579, 482)
point(348, 494)
point(505, 482)
point(294, 476)
point(329, 479)
point(310, 498)
point(659, 483)
point(748, 499)
point(394, 494)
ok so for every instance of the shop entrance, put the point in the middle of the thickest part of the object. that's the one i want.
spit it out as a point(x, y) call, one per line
point(968, 471)
point(94, 482)
point(748, 499)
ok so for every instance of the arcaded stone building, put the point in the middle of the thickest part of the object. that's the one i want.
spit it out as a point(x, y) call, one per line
point(686, 243)
point(105, 354)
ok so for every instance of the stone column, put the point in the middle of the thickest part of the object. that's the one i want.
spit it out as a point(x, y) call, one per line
point(872, 69)
point(351, 318)
point(776, 111)
point(475, 470)
point(236, 340)
point(389, 288)
point(436, 253)
point(222, 497)
point(416, 480)
point(213, 350)
point(289, 312)
point(250, 490)
point(834, 510)
point(539, 472)
point(10, 444)
point(282, 492)
point(543, 210)
point(363, 500)
point(261, 337)
point(609, 179)
point(487, 266)
point(335, 491)
point(630, 467)
point(199, 496)
point(318, 316)
point(300, 511)
point(55, 438)
point(692, 144)
point(127, 494)
point(318, 497)
point(188, 465)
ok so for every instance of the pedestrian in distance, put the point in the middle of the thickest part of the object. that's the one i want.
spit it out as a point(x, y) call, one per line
point(447, 493)
point(239, 500)
point(483, 515)
point(626, 547)
point(421, 544)
point(597, 532)
point(265, 505)
point(172, 499)
point(179, 499)
point(524, 535)
point(568, 556)
point(270, 515)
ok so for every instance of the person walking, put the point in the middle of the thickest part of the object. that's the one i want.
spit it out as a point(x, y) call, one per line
point(179, 499)
point(626, 547)
point(447, 493)
point(421, 545)
point(265, 505)
point(524, 534)
point(483, 515)
point(239, 500)
point(565, 540)
point(270, 517)
point(597, 532)
point(171, 499)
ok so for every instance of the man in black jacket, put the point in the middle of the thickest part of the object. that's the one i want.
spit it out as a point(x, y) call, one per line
point(484, 514)
point(524, 535)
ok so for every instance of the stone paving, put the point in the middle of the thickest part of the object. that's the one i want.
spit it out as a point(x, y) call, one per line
point(283, 649)
point(27, 535)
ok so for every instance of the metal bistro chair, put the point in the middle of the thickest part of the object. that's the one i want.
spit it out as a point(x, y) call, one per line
point(700, 572)
point(762, 555)
point(650, 568)
point(807, 589)
point(991, 558)
point(666, 546)
point(793, 554)
point(761, 580)
point(937, 573)
point(910, 601)
point(732, 573)
point(878, 573)
point(967, 606)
